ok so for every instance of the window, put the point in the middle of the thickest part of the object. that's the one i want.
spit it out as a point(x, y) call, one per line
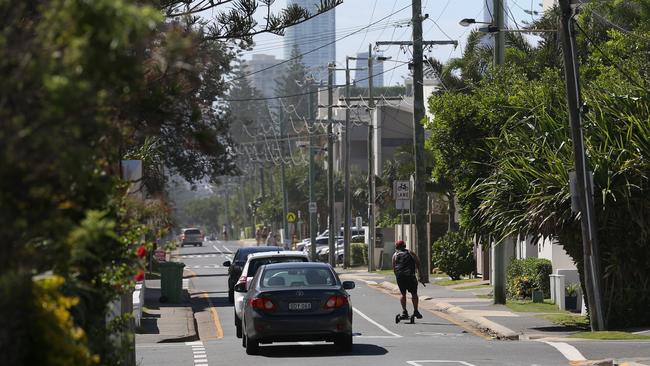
point(257, 263)
point(303, 277)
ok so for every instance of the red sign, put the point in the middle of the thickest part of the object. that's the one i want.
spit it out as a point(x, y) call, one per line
point(159, 255)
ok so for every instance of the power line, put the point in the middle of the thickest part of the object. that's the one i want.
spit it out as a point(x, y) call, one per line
point(318, 48)
point(301, 94)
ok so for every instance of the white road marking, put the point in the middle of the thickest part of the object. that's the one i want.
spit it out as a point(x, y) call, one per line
point(568, 351)
point(395, 335)
point(215, 248)
point(305, 343)
point(227, 250)
point(420, 362)
point(198, 350)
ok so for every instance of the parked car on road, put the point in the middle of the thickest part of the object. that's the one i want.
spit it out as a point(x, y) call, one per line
point(290, 302)
point(238, 261)
point(255, 261)
point(191, 236)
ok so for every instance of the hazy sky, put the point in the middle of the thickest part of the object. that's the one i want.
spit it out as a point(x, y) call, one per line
point(442, 24)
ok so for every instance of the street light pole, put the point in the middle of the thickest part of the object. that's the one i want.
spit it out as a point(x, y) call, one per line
point(499, 279)
point(371, 174)
point(285, 198)
point(346, 159)
point(419, 192)
point(584, 192)
point(330, 164)
point(312, 171)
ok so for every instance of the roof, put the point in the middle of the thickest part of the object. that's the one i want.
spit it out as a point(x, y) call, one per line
point(298, 265)
point(247, 250)
point(279, 253)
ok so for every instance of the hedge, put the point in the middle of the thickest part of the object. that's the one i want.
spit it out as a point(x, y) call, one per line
point(358, 254)
point(454, 255)
point(525, 275)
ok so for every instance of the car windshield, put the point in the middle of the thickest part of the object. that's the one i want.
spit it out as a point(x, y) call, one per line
point(257, 263)
point(304, 277)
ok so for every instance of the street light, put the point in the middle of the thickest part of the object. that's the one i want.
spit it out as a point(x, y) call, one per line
point(466, 22)
point(491, 28)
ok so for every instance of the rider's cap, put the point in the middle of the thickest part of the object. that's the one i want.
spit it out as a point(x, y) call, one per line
point(400, 244)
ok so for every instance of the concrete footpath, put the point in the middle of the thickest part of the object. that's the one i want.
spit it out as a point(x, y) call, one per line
point(476, 313)
point(165, 322)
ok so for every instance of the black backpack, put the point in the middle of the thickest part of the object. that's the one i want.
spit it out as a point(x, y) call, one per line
point(404, 263)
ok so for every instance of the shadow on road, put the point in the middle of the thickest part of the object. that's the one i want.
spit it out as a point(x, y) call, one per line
point(319, 350)
point(186, 255)
point(207, 275)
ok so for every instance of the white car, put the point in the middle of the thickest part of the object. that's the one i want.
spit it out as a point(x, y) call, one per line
point(255, 261)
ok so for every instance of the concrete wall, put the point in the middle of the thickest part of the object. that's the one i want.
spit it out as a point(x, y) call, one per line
point(551, 250)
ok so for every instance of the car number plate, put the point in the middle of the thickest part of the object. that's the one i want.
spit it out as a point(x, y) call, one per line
point(299, 306)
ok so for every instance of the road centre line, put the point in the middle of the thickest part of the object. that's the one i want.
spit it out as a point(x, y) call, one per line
point(568, 351)
point(394, 335)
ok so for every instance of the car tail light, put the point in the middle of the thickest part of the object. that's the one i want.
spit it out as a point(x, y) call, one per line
point(262, 304)
point(335, 302)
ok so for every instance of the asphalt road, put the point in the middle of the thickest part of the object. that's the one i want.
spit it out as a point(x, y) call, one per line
point(378, 340)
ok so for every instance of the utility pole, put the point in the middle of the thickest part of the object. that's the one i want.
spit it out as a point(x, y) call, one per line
point(584, 192)
point(285, 203)
point(312, 172)
point(346, 159)
point(330, 165)
point(371, 174)
point(499, 279)
point(419, 192)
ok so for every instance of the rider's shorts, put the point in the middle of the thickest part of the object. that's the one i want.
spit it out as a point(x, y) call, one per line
point(407, 283)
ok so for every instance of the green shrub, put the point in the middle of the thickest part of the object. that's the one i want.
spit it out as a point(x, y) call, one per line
point(358, 254)
point(525, 275)
point(454, 255)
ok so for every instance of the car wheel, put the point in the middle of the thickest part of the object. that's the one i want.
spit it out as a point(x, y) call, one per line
point(252, 346)
point(231, 296)
point(238, 327)
point(344, 342)
point(201, 244)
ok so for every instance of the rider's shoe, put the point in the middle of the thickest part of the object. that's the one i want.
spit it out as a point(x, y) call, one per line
point(405, 314)
point(417, 314)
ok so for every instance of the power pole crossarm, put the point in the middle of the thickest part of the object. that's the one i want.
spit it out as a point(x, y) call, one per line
point(410, 43)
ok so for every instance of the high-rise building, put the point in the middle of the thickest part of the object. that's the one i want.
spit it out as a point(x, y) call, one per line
point(317, 34)
point(361, 74)
point(263, 74)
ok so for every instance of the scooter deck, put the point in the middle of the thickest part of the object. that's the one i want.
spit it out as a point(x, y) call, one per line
point(400, 317)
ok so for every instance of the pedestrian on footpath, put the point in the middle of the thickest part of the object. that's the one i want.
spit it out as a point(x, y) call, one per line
point(271, 240)
point(405, 263)
point(258, 236)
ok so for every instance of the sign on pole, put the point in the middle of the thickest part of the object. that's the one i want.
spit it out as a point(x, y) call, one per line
point(402, 194)
point(291, 217)
point(159, 255)
point(312, 207)
point(402, 190)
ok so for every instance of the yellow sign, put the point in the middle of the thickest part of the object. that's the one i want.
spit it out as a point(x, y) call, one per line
point(291, 217)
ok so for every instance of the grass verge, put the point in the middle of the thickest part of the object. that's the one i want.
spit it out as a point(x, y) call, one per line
point(456, 282)
point(567, 320)
point(473, 287)
point(527, 306)
point(609, 336)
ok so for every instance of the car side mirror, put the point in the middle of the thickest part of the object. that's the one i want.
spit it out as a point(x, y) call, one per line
point(348, 285)
point(240, 287)
point(226, 264)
